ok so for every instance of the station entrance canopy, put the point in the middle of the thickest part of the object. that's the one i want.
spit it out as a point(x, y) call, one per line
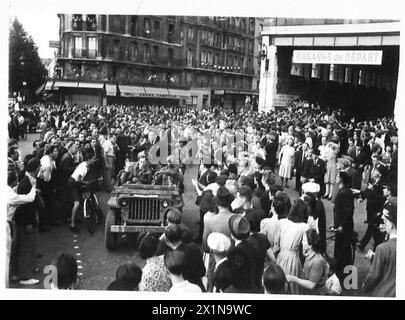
point(347, 57)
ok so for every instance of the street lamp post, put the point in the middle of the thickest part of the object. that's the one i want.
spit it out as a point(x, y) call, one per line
point(263, 55)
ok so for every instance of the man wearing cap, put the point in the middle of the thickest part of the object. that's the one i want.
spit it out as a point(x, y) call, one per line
point(381, 279)
point(219, 245)
point(255, 245)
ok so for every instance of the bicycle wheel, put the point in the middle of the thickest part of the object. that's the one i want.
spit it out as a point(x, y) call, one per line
point(97, 208)
point(88, 214)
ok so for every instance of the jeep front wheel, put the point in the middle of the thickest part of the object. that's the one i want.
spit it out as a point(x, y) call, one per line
point(110, 237)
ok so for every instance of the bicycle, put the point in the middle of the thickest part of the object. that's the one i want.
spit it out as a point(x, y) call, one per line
point(89, 204)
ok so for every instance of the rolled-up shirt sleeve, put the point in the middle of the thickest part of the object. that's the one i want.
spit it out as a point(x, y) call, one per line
point(16, 199)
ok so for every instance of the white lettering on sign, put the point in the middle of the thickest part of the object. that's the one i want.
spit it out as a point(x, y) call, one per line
point(284, 100)
point(362, 57)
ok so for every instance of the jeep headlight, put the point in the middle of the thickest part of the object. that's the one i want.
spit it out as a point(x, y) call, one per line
point(165, 203)
point(124, 203)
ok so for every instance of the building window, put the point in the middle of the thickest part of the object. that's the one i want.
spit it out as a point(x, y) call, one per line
point(243, 25)
point(133, 25)
point(156, 29)
point(189, 57)
point(210, 58)
point(170, 37)
point(155, 54)
point(188, 77)
point(210, 38)
point(170, 54)
point(251, 25)
point(77, 22)
point(250, 47)
point(78, 47)
point(218, 40)
point(146, 28)
point(134, 51)
point(91, 22)
point(77, 69)
point(216, 61)
point(203, 58)
point(92, 46)
point(203, 36)
point(190, 34)
point(146, 53)
point(250, 65)
point(116, 49)
point(116, 23)
point(230, 61)
point(241, 63)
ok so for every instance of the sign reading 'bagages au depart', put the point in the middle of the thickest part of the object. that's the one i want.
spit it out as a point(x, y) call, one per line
point(362, 57)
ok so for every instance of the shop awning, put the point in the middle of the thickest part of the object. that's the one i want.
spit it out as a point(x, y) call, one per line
point(111, 89)
point(131, 91)
point(64, 84)
point(179, 93)
point(157, 92)
point(246, 93)
point(91, 85)
point(48, 85)
point(40, 89)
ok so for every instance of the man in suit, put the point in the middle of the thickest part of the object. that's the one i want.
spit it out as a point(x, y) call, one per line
point(95, 171)
point(343, 224)
point(306, 166)
point(194, 268)
point(299, 165)
point(64, 171)
point(359, 162)
point(381, 279)
point(375, 202)
point(351, 147)
point(318, 170)
point(271, 151)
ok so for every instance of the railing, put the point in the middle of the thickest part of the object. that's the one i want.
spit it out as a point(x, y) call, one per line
point(80, 25)
point(217, 67)
point(84, 53)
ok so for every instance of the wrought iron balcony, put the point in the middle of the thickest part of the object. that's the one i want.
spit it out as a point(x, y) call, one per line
point(84, 53)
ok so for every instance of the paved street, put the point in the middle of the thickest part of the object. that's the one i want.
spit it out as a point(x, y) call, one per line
point(98, 266)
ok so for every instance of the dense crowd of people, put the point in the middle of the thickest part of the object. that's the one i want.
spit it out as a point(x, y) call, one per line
point(253, 238)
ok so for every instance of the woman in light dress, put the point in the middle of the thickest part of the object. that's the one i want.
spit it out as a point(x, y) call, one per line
point(288, 242)
point(286, 161)
point(331, 152)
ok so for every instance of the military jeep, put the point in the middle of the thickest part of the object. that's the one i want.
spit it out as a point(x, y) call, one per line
point(137, 208)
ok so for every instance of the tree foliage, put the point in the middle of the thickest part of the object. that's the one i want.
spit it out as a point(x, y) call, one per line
point(25, 64)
